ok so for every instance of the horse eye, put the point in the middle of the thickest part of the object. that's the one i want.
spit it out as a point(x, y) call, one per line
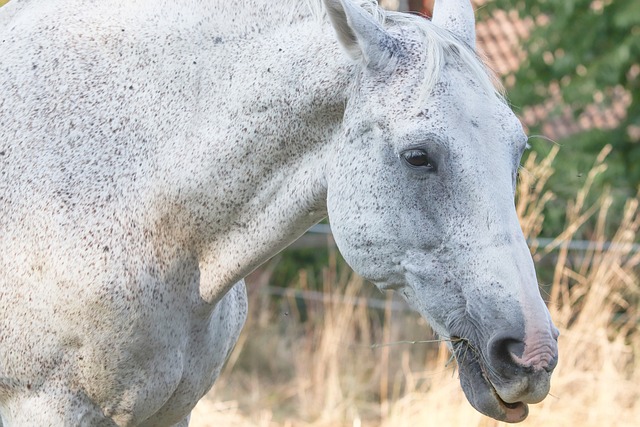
point(418, 159)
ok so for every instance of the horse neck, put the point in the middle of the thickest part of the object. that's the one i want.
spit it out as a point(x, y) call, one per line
point(259, 151)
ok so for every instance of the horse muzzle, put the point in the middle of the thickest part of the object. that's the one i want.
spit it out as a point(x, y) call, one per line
point(501, 379)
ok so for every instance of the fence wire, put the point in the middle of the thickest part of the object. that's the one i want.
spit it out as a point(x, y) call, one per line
point(541, 243)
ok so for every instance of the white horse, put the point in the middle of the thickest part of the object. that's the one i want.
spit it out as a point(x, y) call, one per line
point(153, 153)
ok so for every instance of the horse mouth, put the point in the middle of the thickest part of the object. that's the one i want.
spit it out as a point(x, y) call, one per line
point(478, 388)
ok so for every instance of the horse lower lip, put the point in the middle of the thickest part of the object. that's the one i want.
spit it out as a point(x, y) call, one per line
point(481, 393)
point(513, 412)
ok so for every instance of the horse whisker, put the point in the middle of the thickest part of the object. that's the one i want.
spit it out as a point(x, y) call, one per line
point(546, 138)
point(388, 344)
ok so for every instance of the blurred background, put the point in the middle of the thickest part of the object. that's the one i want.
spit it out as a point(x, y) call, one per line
point(323, 348)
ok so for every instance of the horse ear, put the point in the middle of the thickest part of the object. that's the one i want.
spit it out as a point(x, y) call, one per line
point(456, 16)
point(364, 39)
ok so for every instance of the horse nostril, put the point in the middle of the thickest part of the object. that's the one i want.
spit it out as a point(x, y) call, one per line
point(551, 365)
point(505, 351)
point(508, 353)
point(514, 347)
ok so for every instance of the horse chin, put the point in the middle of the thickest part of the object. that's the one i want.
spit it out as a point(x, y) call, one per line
point(481, 393)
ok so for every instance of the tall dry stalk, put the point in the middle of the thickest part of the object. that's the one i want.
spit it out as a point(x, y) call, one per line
point(532, 193)
point(322, 391)
point(594, 300)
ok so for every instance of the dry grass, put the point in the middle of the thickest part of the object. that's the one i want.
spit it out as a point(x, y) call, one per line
point(331, 370)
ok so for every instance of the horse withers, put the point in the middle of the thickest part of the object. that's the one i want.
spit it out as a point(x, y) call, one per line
point(153, 153)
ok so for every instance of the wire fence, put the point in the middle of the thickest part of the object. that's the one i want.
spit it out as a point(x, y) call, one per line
point(541, 242)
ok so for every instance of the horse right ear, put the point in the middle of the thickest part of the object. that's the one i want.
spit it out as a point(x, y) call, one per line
point(456, 16)
point(363, 39)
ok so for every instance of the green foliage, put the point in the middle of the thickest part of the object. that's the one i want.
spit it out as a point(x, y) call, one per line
point(572, 168)
point(293, 261)
point(585, 48)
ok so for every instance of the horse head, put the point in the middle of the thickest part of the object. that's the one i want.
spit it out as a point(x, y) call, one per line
point(420, 197)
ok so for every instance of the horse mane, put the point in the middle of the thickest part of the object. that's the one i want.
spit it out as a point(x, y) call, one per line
point(441, 45)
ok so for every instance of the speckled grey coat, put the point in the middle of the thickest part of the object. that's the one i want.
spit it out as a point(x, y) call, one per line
point(153, 153)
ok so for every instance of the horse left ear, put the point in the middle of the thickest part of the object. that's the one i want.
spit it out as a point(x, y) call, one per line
point(456, 16)
point(364, 39)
